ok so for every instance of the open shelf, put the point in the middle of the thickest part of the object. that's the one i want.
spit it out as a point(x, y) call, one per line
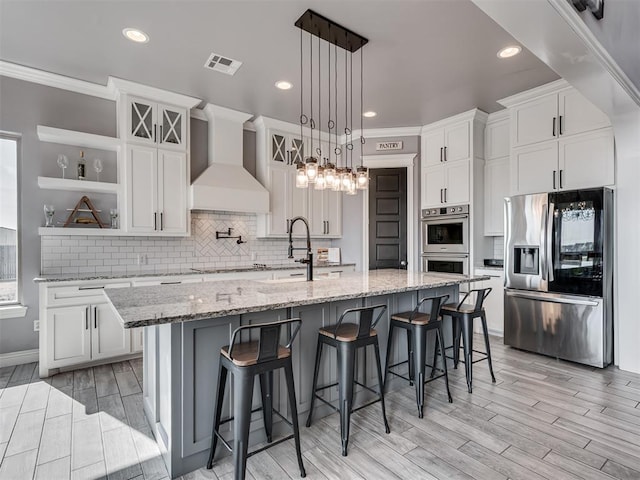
point(78, 139)
point(101, 232)
point(71, 185)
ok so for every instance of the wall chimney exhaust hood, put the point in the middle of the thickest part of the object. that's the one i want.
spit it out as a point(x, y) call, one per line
point(225, 184)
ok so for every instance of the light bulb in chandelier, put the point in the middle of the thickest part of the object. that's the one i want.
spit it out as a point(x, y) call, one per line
point(337, 181)
point(321, 181)
point(311, 166)
point(352, 190)
point(301, 177)
point(345, 180)
point(329, 175)
point(362, 178)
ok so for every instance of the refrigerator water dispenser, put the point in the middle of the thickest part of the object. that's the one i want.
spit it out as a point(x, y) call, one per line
point(526, 260)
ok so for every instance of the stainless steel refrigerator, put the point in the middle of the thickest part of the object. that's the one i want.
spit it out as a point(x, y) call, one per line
point(559, 275)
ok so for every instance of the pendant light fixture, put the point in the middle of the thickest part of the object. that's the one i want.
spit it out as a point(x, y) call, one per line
point(324, 167)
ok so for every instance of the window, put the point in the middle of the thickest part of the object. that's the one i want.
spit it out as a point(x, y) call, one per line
point(8, 220)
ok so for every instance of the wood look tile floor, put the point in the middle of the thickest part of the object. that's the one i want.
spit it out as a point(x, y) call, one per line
point(543, 419)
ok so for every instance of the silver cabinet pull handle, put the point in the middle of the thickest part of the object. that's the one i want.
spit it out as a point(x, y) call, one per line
point(445, 192)
point(161, 139)
point(445, 154)
point(95, 317)
point(99, 287)
point(161, 220)
point(171, 283)
point(554, 127)
point(297, 274)
point(554, 179)
point(560, 175)
point(560, 129)
point(441, 198)
point(441, 157)
point(328, 229)
point(86, 318)
point(154, 132)
point(155, 220)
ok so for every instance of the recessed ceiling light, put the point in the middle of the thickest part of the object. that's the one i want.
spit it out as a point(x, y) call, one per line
point(284, 85)
point(509, 51)
point(369, 114)
point(135, 35)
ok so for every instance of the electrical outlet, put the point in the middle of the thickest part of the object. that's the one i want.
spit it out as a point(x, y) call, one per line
point(36, 325)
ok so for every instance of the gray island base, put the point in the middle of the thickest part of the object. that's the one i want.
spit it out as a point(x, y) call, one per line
point(186, 325)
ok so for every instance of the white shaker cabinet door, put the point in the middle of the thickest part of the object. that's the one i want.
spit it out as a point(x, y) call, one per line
point(109, 337)
point(299, 206)
point(496, 184)
point(533, 121)
point(579, 114)
point(535, 169)
point(433, 183)
point(142, 195)
point(172, 194)
point(433, 144)
point(333, 203)
point(279, 200)
point(317, 208)
point(457, 184)
point(68, 336)
point(586, 160)
point(137, 339)
point(457, 142)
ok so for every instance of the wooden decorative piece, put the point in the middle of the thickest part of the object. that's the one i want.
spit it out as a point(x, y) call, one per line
point(73, 218)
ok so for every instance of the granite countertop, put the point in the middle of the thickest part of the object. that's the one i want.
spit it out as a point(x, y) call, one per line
point(143, 306)
point(66, 277)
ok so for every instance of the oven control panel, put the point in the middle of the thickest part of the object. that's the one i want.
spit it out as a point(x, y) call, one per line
point(436, 212)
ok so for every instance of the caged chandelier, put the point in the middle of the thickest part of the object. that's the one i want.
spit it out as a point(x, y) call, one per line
point(330, 50)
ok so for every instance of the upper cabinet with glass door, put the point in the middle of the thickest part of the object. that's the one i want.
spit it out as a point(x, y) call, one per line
point(153, 123)
point(287, 148)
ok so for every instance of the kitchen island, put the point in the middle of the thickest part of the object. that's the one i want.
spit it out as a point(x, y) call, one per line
point(186, 325)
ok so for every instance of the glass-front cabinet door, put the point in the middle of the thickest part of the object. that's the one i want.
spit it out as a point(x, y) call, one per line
point(296, 151)
point(141, 116)
point(279, 148)
point(577, 242)
point(172, 126)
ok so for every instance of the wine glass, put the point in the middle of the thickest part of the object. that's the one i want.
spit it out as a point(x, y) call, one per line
point(97, 166)
point(63, 163)
point(49, 211)
point(113, 213)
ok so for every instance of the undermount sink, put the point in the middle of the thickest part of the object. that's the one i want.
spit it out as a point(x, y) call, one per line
point(294, 279)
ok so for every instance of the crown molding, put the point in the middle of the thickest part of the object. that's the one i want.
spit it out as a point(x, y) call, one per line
point(212, 111)
point(473, 114)
point(198, 114)
point(567, 12)
point(389, 161)
point(498, 116)
point(33, 75)
point(546, 89)
point(120, 86)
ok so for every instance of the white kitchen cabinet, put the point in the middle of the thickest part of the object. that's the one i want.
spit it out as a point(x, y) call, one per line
point(153, 123)
point(156, 191)
point(579, 161)
point(69, 337)
point(279, 145)
point(445, 185)
point(137, 340)
point(496, 137)
point(450, 143)
point(496, 187)
point(108, 337)
point(559, 113)
point(494, 303)
point(325, 213)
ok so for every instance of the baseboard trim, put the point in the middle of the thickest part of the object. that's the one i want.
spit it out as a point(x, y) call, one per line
point(18, 358)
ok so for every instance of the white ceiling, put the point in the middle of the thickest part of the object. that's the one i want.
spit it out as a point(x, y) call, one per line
point(425, 60)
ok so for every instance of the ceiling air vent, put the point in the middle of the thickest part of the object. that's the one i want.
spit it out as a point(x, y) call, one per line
point(222, 64)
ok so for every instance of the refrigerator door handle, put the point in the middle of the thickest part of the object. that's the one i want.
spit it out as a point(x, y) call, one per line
point(548, 242)
point(543, 242)
point(553, 299)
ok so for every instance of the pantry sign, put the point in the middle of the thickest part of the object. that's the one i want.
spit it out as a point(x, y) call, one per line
point(384, 146)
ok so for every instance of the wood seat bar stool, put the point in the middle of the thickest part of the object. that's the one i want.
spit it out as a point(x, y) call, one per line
point(417, 324)
point(463, 315)
point(347, 338)
point(246, 360)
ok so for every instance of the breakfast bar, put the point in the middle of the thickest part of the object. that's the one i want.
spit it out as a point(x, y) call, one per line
point(186, 325)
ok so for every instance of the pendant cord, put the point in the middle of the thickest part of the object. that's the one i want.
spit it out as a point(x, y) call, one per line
point(302, 118)
point(329, 98)
point(319, 147)
point(311, 121)
point(362, 139)
point(351, 106)
point(337, 150)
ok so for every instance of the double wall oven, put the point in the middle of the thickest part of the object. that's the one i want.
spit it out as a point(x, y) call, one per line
point(445, 240)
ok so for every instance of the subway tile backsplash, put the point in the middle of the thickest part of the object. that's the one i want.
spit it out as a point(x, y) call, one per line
point(498, 247)
point(96, 254)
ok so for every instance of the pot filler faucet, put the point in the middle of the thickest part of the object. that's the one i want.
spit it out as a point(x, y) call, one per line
point(309, 260)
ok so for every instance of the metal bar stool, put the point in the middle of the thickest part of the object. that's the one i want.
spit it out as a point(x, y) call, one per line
point(245, 361)
point(417, 324)
point(347, 338)
point(463, 315)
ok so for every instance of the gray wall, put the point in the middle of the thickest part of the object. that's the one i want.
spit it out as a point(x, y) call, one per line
point(619, 34)
point(24, 106)
point(352, 235)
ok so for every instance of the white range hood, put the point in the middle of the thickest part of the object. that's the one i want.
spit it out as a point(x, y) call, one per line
point(225, 184)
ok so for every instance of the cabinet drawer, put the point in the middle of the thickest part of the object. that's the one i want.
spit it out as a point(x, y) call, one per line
point(80, 294)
